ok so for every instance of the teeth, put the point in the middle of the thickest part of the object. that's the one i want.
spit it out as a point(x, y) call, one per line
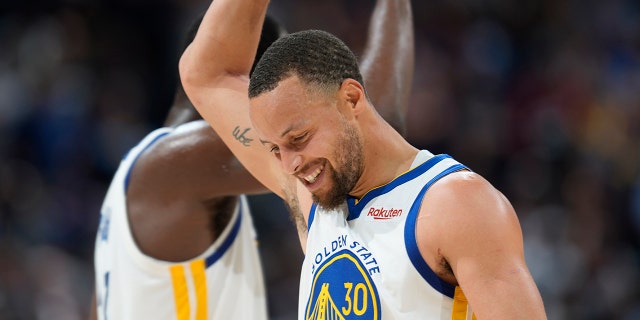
point(312, 177)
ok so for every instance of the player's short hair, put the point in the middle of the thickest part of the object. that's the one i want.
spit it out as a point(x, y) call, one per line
point(316, 57)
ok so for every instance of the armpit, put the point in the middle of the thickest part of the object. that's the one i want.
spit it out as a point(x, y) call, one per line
point(444, 270)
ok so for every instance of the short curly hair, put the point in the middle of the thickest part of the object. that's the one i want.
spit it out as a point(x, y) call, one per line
point(315, 56)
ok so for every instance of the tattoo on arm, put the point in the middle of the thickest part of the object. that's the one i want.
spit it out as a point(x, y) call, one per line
point(240, 136)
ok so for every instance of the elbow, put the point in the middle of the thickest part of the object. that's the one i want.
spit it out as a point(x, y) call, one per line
point(198, 70)
point(187, 70)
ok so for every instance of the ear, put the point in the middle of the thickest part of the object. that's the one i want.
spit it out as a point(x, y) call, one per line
point(352, 93)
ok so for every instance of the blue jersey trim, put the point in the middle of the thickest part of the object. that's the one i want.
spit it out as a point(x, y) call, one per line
point(312, 214)
point(355, 207)
point(126, 178)
point(228, 241)
point(412, 245)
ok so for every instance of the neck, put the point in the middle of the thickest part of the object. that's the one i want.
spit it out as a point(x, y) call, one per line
point(386, 154)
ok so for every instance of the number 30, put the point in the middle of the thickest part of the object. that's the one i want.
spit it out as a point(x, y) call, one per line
point(359, 294)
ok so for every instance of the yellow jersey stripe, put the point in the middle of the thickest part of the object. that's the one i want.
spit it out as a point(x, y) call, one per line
point(200, 284)
point(180, 293)
point(461, 309)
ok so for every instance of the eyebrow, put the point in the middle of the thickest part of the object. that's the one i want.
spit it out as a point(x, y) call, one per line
point(292, 127)
point(282, 135)
point(289, 129)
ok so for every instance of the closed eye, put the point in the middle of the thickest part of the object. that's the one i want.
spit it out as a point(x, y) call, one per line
point(300, 138)
point(273, 149)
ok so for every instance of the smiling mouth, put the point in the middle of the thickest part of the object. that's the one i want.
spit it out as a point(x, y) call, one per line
point(314, 175)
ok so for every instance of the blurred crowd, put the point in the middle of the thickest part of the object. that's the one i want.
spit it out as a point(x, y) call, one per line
point(540, 97)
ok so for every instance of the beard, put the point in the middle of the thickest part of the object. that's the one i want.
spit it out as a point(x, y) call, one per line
point(349, 160)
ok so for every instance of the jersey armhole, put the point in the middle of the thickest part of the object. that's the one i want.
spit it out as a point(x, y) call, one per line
point(411, 243)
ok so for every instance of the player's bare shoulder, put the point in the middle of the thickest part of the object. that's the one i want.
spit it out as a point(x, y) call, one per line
point(459, 206)
point(463, 190)
point(184, 158)
point(191, 143)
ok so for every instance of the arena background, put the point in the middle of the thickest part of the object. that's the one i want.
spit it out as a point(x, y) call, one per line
point(541, 97)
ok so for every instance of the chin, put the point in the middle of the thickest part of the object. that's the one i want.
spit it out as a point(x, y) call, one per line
point(328, 201)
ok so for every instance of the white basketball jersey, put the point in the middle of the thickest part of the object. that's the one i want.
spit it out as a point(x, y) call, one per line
point(362, 260)
point(224, 282)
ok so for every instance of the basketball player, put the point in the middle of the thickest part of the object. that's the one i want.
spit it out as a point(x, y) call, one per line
point(392, 232)
point(176, 239)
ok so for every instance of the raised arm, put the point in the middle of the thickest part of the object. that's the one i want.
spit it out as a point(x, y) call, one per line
point(224, 46)
point(388, 60)
point(214, 71)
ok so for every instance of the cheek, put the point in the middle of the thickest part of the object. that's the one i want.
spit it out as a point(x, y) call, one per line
point(323, 145)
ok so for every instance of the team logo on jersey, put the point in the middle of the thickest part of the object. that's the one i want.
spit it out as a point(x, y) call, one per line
point(343, 289)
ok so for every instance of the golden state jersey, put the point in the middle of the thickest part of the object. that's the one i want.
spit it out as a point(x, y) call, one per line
point(224, 282)
point(362, 259)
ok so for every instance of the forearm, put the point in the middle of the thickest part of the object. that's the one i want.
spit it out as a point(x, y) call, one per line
point(388, 60)
point(214, 71)
point(225, 44)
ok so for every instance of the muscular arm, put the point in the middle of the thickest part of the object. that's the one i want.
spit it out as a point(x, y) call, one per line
point(468, 225)
point(388, 60)
point(214, 71)
point(180, 192)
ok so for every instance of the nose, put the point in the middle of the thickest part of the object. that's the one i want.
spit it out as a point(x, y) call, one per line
point(291, 161)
